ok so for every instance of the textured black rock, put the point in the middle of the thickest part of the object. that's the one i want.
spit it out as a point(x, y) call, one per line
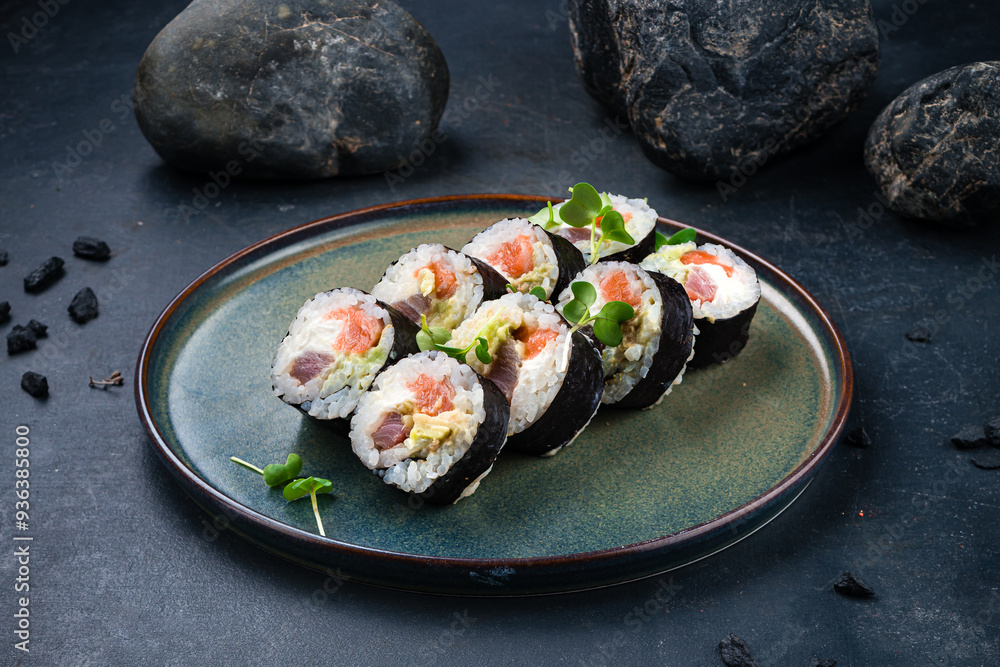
point(933, 150)
point(820, 662)
point(988, 460)
point(35, 384)
point(47, 273)
point(88, 247)
point(713, 87)
point(970, 437)
point(40, 330)
point(83, 307)
point(4, 312)
point(850, 585)
point(992, 430)
point(20, 339)
point(735, 652)
point(919, 335)
point(859, 437)
point(302, 89)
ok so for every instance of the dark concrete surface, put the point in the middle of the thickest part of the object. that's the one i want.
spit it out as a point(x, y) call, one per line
point(122, 567)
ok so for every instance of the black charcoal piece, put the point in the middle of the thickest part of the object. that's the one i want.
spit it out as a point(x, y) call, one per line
point(820, 662)
point(919, 335)
point(83, 308)
point(88, 247)
point(859, 437)
point(4, 258)
point(35, 384)
point(992, 431)
point(50, 271)
point(4, 312)
point(970, 437)
point(987, 460)
point(850, 585)
point(20, 339)
point(735, 652)
point(40, 330)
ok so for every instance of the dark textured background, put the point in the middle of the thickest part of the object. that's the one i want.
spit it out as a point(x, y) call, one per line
point(123, 568)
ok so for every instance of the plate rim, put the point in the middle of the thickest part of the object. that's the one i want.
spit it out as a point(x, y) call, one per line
point(307, 540)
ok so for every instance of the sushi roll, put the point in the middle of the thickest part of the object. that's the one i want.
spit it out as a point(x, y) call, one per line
point(527, 256)
point(552, 378)
point(444, 285)
point(640, 223)
point(335, 346)
point(657, 342)
point(431, 425)
point(724, 293)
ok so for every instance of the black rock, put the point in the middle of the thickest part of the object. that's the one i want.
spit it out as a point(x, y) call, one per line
point(735, 652)
point(919, 335)
point(859, 437)
point(50, 271)
point(4, 258)
point(992, 431)
point(970, 437)
point(40, 330)
point(933, 150)
point(715, 89)
point(83, 307)
point(820, 662)
point(298, 90)
point(4, 312)
point(35, 384)
point(20, 339)
point(848, 584)
point(987, 460)
point(88, 247)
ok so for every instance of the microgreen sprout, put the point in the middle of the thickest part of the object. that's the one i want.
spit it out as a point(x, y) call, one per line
point(684, 236)
point(309, 486)
point(434, 338)
point(537, 291)
point(546, 218)
point(588, 207)
point(607, 323)
point(275, 474)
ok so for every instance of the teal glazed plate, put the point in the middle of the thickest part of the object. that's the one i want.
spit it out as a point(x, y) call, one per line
point(639, 492)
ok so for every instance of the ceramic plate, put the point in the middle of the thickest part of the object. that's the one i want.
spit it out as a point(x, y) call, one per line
point(637, 494)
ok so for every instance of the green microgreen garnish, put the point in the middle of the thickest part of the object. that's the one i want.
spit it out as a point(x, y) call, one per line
point(537, 291)
point(586, 207)
point(275, 474)
point(607, 323)
point(309, 486)
point(546, 218)
point(684, 236)
point(434, 338)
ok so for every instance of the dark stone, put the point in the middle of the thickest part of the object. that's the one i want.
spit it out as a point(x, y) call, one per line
point(20, 339)
point(83, 307)
point(970, 437)
point(859, 437)
point(919, 335)
point(88, 247)
point(933, 150)
point(4, 258)
point(735, 652)
point(850, 585)
point(46, 274)
point(298, 90)
point(40, 330)
point(715, 89)
point(992, 431)
point(820, 662)
point(987, 460)
point(35, 384)
point(4, 312)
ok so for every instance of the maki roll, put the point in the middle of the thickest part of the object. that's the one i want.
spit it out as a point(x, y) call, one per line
point(657, 342)
point(724, 293)
point(527, 256)
point(444, 285)
point(431, 425)
point(640, 223)
point(552, 378)
point(335, 346)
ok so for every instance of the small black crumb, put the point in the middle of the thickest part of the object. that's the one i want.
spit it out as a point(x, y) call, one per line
point(83, 308)
point(88, 247)
point(859, 437)
point(819, 662)
point(969, 437)
point(735, 652)
point(39, 329)
point(850, 585)
point(992, 429)
point(35, 384)
point(50, 271)
point(20, 339)
point(987, 460)
point(4, 312)
point(919, 335)
point(4, 259)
